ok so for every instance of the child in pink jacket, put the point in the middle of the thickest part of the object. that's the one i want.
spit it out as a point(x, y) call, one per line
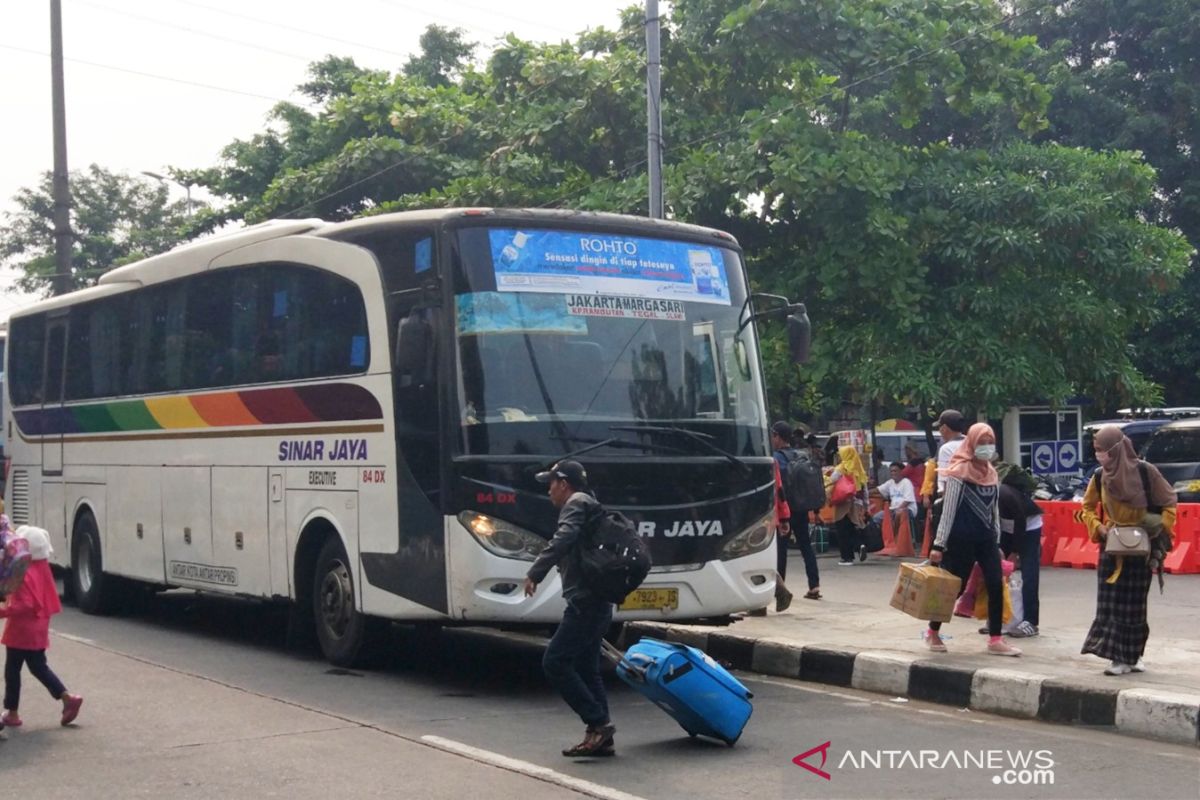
point(27, 632)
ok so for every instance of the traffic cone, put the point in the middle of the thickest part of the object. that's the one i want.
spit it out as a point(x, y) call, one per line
point(889, 538)
point(904, 542)
point(927, 544)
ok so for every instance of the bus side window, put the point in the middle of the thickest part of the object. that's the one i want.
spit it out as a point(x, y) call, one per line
point(244, 327)
point(56, 344)
point(27, 337)
point(208, 331)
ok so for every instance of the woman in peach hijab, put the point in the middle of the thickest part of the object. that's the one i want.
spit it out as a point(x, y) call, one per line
point(969, 531)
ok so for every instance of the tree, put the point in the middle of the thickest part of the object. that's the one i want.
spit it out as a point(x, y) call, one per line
point(1125, 76)
point(944, 258)
point(873, 157)
point(445, 53)
point(115, 219)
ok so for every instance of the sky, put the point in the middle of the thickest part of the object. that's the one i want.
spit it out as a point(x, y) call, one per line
point(158, 83)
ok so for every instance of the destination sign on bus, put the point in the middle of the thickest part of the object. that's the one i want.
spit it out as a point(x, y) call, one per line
point(566, 262)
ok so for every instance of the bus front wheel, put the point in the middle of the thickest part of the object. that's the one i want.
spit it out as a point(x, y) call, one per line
point(94, 591)
point(342, 630)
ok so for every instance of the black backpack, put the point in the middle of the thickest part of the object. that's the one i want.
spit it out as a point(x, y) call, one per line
point(613, 559)
point(802, 482)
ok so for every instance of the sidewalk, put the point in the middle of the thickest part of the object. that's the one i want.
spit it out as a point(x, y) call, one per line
point(853, 637)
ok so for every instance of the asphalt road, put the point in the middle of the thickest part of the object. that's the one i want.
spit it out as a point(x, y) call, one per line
point(201, 698)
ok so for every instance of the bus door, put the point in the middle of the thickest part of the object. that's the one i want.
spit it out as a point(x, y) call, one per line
point(53, 495)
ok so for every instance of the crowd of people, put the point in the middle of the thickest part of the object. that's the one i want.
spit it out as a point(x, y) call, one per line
point(983, 520)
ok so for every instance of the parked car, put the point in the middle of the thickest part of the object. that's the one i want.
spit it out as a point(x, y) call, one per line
point(1175, 450)
point(1139, 432)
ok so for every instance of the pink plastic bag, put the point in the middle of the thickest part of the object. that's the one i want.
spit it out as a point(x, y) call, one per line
point(14, 558)
point(965, 606)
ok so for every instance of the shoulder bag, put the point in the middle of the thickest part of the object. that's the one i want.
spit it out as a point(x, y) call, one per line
point(1127, 540)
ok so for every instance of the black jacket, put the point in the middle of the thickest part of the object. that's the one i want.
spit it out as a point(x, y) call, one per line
point(1017, 506)
point(576, 518)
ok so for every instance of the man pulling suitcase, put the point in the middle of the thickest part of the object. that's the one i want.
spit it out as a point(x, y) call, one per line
point(572, 659)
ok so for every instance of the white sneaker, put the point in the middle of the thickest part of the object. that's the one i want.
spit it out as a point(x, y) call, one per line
point(1118, 669)
point(1025, 630)
point(1140, 666)
point(845, 563)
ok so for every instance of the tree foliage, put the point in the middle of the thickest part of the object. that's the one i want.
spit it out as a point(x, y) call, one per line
point(874, 157)
point(1125, 76)
point(115, 219)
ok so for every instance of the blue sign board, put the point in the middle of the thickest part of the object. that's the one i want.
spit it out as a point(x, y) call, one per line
point(579, 262)
point(1054, 457)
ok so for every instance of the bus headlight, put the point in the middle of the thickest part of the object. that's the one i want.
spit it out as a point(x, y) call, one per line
point(502, 538)
point(758, 536)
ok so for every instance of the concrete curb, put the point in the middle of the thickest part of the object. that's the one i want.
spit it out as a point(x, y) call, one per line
point(1146, 713)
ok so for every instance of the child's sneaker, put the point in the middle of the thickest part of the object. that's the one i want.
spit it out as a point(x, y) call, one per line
point(934, 642)
point(71, 708)
point(10, 719)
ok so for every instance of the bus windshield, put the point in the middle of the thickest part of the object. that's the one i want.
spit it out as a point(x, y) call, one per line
point(562, 335)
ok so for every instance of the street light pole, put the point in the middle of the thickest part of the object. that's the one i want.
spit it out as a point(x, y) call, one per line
point(60, 184)
point(187, 187)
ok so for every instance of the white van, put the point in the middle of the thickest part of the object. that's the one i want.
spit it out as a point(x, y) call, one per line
point(892, 443)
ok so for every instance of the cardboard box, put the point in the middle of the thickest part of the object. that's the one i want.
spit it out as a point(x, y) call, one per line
point(926, 592)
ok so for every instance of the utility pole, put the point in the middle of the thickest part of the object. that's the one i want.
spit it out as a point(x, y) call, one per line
point(654, 110)
point(62, 191)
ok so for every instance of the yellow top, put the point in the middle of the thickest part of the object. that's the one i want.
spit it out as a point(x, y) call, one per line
point(1117, 512)
point(927, 485)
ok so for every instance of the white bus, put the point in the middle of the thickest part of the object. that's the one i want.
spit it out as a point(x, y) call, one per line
point(3, 457)
point(349, 416)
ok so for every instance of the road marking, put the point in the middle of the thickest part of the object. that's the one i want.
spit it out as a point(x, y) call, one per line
point(857, 700)
point(526, 768)
point(72, 638)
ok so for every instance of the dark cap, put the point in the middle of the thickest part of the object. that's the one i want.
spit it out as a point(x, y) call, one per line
point(570, 471)
point(782, 430)
point(954, 420)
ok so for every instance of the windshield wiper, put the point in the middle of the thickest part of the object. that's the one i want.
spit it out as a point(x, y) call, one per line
point(701, 439)
point(616, 442)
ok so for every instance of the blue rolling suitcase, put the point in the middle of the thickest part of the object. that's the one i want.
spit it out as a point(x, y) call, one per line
point(694, 689)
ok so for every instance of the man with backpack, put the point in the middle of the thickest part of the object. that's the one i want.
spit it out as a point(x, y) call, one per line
point(804, 489)
point(572, 659)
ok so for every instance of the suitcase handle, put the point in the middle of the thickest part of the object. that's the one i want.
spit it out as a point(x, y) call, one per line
point(620, 659)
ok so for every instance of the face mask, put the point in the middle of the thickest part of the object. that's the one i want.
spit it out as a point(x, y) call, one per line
point(1103, 457)
point(985, 451)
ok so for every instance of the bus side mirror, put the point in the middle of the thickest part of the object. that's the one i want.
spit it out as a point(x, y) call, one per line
point(414, 347)
point(799, 331)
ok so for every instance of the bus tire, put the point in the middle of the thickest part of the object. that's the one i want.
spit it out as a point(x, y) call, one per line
point(94, 592)
point(342, 630)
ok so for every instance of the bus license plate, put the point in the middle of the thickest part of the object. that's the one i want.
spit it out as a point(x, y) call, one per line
point(651, 599)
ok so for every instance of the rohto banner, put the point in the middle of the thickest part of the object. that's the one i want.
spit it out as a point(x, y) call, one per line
point(569, 262)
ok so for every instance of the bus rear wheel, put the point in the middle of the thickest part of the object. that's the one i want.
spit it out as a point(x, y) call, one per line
point(343, 632)
point(94, 591)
